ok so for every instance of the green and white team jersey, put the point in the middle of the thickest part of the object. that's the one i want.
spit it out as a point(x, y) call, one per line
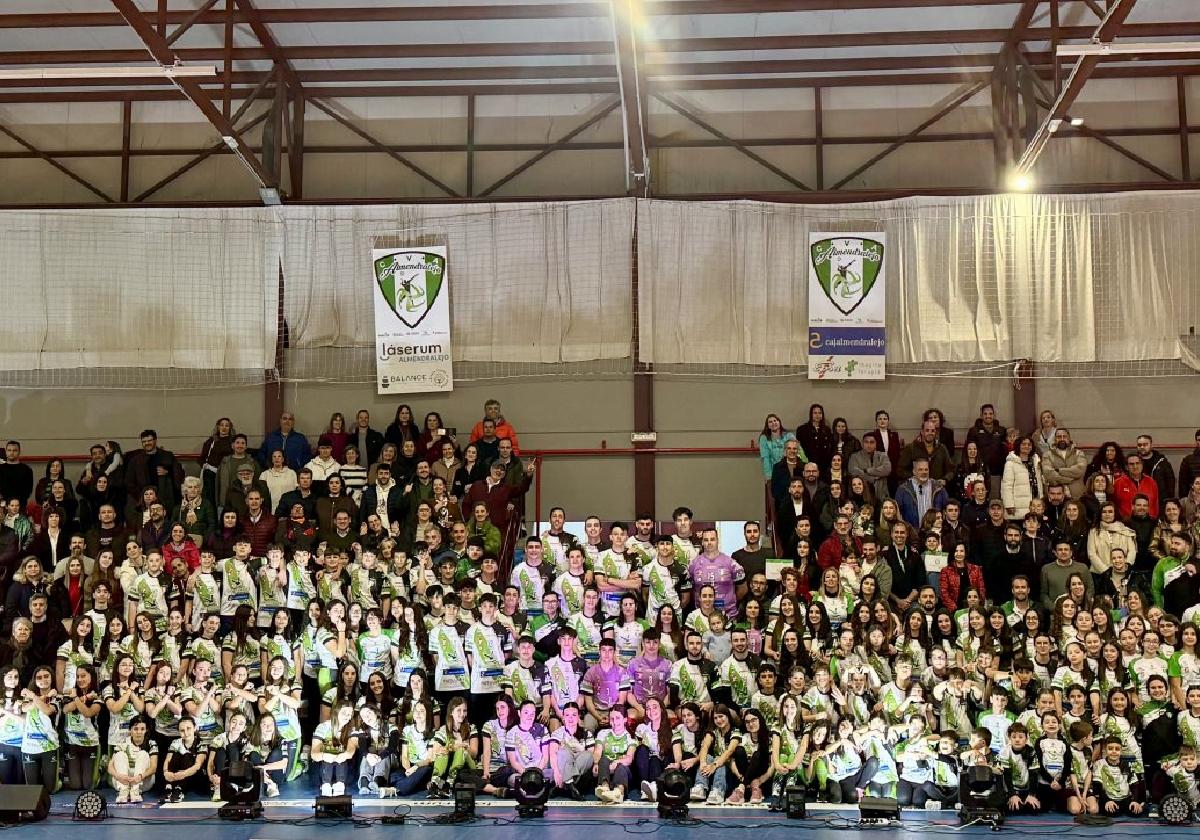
point(237, 586)
point(1066, 678)
point(614, 746)
point(569, 589)
point(1112, 778)
point(575, 744)
point(272, 595)
point(364, 584)
point(450, 659)
point(325, 656)
point(837, 606)
point(789, 743)
point(685, 551)
point(374, 654)
point(526, 683)
point(409, 658)
point(493, 736)
point(486, 644)
point(119, 722)
point(207, 724)
point(1119, 727)
point(628, 637)
point(647, 737)
point(416, 742)
point(1189, 728)
point(150, 596)
point(99, 627)
point(953, 708)
point(74, 659)
point(690, 680)
point(767, 706)
point(531, 583)
point(555, 547)
point(206, 597)
point(698, 621)
point(301, 589)
point(1054, 755)
point(1185, 783)
point(1186, 666)
point(41, 730)
point(821, 704)
point(639, 553)
point(310, 655)
point(166, 722)
point(738, 676)
point(1032, 721)
point(662, 586)
point(895, 703)
point(1018, 765)
point(1143, 668)
point(80, 730)
point(875, 746)
point(287, 718)
point(858, 708)
point(208, 650)
point(589, 631)
point(688, 741)
point(248, 654)
point(12, 723)
point(143, 654)
point(277, 645)
point(614, 567)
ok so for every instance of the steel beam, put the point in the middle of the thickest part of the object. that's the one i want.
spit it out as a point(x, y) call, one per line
point(156, 45)
point(1084, 67)
point(558, 144)
point(126, 131)
point(38, 153)
point(216, 148)
point(731, 142)
point(343, 121)
point(190, 22)
point(1185, 151)
point(628, 51)
point(941, 112)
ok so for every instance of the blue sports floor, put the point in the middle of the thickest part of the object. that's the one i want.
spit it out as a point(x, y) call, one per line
point(292, 819)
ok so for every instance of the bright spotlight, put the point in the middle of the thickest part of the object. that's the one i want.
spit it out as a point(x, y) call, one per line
point(1020, 182)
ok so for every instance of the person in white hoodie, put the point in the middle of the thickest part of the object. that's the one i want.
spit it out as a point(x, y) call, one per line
point(1022, 480)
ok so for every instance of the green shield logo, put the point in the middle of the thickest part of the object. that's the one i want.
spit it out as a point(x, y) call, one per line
point(847, 268)
point(410, 282)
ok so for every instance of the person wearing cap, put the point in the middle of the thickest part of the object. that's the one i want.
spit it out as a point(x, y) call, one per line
point(227, 473)
point(323, 465)
point(988, 548)
point(501, 497)
point(243, 484)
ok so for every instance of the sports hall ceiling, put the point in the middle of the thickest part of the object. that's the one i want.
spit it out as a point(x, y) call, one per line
point(658, 73)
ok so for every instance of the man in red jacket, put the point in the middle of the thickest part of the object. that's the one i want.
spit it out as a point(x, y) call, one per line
point(839, 545)
point(1133, 483)
point(257, 525)
point(500, 497)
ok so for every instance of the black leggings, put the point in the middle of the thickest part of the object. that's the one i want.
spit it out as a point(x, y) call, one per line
point(41, 769)
point(613, 774)
point(81, 767)
point(845, 790)
point(12, 771)
point(333, 772)
point(916, 795)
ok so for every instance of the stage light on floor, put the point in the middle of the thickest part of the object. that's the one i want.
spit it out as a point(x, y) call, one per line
point(1175, 809)
point(794, 800)
point(91, 806)
point(464, 801)
point(981, 797)
point(532, 792)
point(673, 795)
point(1020, 182)
point(878, 809)
point(240, 792)
point(334, 807)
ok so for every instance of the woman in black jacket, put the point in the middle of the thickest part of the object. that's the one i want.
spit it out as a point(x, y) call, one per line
point(816, 438)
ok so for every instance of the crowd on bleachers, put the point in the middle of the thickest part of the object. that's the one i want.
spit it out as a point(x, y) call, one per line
point(348, 618)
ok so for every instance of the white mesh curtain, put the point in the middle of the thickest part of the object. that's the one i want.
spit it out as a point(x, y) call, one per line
point(537, 282)
point(970, 279)
point(192, 289)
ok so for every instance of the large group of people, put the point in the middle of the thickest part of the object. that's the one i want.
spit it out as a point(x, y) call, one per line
point(365, 620)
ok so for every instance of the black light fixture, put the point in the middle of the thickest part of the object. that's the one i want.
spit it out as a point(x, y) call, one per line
point(91, 806)
point(240, 791)
point(1175, 809)
point(878, 809)
point(532, 792)
point(673, 795)
point(334, 807)
point(464, 801)
point(981, 798)
point(794, 798)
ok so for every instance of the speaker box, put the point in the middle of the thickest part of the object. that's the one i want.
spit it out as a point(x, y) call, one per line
point(23, 803)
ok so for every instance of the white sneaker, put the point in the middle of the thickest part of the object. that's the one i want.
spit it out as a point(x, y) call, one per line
point(649, 791)
point(272, 790)
point(698, 793)
point(327, 789)
point(602, 792)
point(716, 797)
point(216, 797)
point(339, 788)
point(135, 796)
point(122, 796)
point(387, 792)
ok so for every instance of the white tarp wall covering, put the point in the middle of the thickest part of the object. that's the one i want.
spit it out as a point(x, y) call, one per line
point(538, 282)
point(139, 288)
point(972, 279)
point(1103, 278)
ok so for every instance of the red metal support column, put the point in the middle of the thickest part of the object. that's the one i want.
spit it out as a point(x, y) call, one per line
point(1185, 152)
point(126, 131)
point(1025, 406)
point(819, 129)
point(470, 145)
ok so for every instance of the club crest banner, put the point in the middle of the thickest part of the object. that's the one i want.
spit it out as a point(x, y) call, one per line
point(412, 320)
point(846, 327)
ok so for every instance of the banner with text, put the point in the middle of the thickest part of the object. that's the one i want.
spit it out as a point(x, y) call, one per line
point(412, 320)
point(846, 333)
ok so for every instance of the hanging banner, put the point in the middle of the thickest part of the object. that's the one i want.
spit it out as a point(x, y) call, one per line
point(412, 320)
point(846, 329)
